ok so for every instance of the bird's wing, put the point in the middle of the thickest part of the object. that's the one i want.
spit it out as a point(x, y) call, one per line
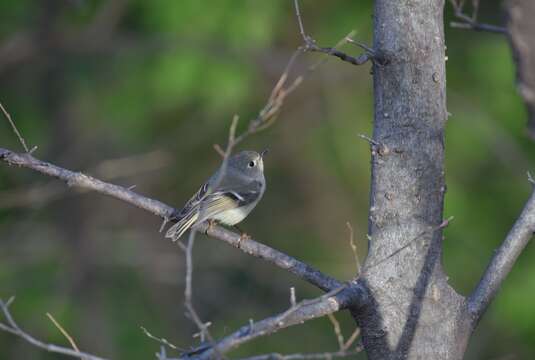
point(227, 198)
point(206, 203)
point(188, 215)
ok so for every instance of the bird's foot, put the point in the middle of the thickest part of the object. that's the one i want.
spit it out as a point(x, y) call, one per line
point(211, 223)
point(243, 237)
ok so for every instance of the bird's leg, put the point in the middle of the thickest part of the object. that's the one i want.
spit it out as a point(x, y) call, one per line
point(211, 222)
point(243, 235)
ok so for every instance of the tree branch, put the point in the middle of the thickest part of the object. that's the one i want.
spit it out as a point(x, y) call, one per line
point(249, 246)
point(305, 356)
point(503, 260)
point(333, 301)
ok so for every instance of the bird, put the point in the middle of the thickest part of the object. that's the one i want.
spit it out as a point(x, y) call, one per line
point(228, 196)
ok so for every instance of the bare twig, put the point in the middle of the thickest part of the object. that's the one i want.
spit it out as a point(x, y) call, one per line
point(503, 260)
point(470, 22)
point(63, 332)
point(269, 113)
point(14, 127)
point(311, 45)
point(13, 328)
point(353, 247)
point(337, 331)
point(162, 341)
point(188, 292)
point(352, 339)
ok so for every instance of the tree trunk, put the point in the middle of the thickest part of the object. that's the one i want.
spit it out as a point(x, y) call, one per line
point(416, 314)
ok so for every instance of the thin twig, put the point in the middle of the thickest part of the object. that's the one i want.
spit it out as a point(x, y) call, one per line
point(352, 339)
point(162, 341)
point(63, 332)
point(337, 331)
point(188, 292)
point(353, 247)
point(14, 127)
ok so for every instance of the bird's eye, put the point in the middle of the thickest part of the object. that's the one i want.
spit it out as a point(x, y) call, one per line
point(252, 164)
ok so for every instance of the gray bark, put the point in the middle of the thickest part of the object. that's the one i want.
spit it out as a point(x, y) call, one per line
point(415, 313)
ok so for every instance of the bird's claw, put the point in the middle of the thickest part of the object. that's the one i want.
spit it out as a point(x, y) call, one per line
point(243, 237)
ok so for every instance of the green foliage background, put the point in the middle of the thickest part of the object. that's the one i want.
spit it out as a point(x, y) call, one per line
point(165, 80)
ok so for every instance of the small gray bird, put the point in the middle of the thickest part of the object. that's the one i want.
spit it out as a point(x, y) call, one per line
point(227, 197)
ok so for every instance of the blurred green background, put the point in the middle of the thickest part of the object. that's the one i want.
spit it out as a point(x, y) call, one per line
point(137, 92)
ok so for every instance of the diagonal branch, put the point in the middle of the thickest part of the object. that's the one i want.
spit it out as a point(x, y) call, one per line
point(333, 301)
point(502, 262)
point(249, 246)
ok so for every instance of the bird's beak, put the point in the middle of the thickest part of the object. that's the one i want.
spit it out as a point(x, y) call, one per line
point(264, 152)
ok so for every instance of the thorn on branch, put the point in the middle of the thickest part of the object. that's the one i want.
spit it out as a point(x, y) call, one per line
point(293, 301)
point(446, 222)
point(376, 147)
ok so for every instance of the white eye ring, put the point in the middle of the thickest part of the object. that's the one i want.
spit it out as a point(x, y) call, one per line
point(252, 164)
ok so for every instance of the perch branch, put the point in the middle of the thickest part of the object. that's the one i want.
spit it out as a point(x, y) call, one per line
point(249, 246)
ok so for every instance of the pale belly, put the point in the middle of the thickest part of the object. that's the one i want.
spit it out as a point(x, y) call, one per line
point(234, 216)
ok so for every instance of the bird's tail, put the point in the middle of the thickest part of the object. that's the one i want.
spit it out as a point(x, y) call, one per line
point(186, 222)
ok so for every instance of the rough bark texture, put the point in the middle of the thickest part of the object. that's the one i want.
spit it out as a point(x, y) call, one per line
point(417, 313)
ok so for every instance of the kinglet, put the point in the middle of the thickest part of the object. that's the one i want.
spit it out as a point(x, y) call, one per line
point(228, 196)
